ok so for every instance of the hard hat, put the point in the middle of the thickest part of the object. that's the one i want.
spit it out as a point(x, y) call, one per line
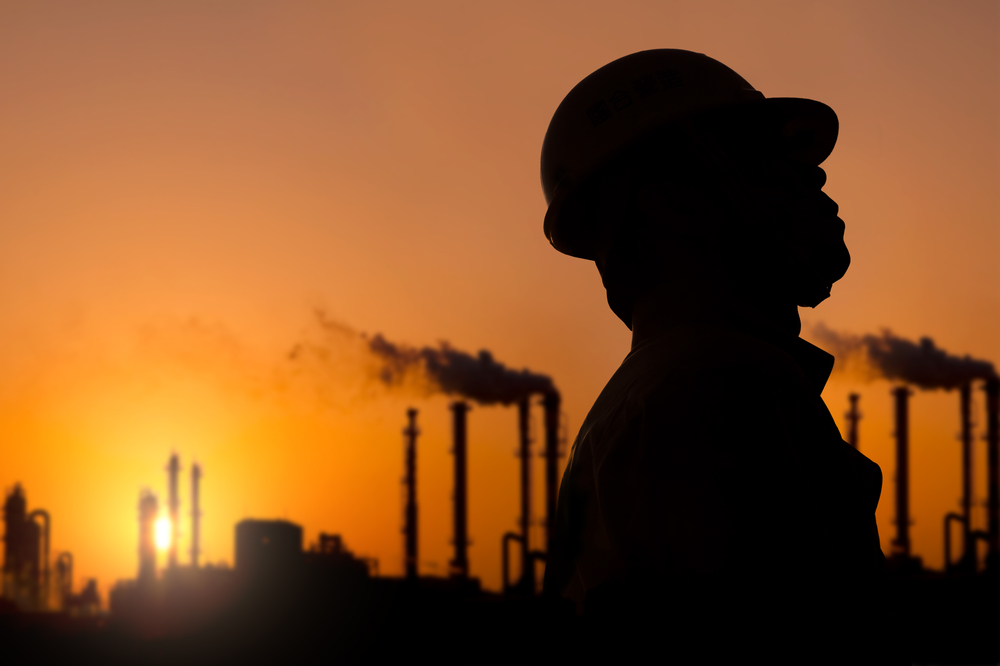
point(627, 100)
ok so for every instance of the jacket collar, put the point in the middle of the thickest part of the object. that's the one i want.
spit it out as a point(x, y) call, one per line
point(815, 363)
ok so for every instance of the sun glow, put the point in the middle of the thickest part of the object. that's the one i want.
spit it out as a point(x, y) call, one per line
point(162, 533)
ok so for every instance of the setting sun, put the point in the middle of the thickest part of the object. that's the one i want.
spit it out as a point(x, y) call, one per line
point(162, 533)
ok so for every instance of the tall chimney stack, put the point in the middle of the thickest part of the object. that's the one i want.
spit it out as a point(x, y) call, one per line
point(460, 564)
point(174, 504)
point(410, 481)
point(992, 389)
point(968, 541)
point(195, 515)
point(901, 544)
point(551, 404)
point(853, 417)
point(527, 563)
point(148, 508)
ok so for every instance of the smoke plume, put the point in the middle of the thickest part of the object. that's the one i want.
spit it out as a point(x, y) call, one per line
point(440, 369)
point(888, 356)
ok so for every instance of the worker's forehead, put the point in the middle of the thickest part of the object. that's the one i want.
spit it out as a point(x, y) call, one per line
point(754, 134)
point(758, 141)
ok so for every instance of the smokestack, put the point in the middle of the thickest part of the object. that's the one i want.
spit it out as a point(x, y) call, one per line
point(965, 414)
point(853, 416)
point(174, 504)
point(551, 404)
point(148, 508)
point(195, 515)
point(901, 544)
point(527, 563)
point(460, 565)
point(410, 481)
point(992, 390)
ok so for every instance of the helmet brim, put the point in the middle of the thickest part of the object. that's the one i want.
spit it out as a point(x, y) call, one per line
point(808, 129)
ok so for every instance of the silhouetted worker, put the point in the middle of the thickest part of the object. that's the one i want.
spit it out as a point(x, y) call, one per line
point(710, 510)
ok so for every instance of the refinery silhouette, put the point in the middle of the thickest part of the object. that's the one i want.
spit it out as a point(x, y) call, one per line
point(284, 601)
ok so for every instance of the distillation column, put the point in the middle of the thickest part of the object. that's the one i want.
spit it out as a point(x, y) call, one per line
point(46, 535)
point(64, 577)
point(174, 504)
point(148, 508)
point(195, 514)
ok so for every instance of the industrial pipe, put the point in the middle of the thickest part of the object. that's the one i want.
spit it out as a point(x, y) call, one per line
point(948, 519)
point(505, 557)
point(526, 584)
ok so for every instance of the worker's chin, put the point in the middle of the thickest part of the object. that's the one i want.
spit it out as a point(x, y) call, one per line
point(817, 269)
point(813, 295)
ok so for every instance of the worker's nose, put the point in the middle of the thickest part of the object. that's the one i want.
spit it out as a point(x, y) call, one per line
point(808, 176)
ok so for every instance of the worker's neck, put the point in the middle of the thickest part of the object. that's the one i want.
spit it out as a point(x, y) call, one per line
point(667, 306)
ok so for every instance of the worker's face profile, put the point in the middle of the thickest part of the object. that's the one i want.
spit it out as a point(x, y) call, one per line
point(805, 228)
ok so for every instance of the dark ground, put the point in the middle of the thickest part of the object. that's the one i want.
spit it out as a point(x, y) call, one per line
point(935, 620)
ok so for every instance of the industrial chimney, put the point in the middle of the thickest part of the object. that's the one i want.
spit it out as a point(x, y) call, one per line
point(527, 563)
point(460, 564)
point(551, 404)
point(901, 544)
point(992, 389)
point(968, 541)
point(174, 503)
point(853, 417)
point(195, 515)
point(148, 508)
point(967, 563)
point(410, 482)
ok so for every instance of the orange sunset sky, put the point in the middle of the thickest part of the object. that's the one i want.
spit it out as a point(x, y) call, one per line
point(183, 184)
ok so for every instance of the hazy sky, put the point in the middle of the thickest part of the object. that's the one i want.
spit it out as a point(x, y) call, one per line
point(182, 184)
